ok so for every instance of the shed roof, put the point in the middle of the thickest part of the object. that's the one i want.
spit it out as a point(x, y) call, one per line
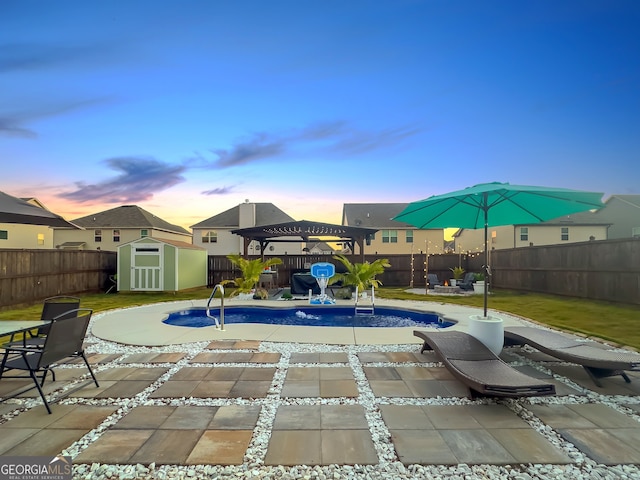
point(175, 243)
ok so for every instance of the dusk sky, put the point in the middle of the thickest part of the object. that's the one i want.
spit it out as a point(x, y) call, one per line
point(187, 108)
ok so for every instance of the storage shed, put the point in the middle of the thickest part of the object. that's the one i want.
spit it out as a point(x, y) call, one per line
point(155, 264)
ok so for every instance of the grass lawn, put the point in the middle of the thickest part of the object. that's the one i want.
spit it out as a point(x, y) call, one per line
point(617, 323)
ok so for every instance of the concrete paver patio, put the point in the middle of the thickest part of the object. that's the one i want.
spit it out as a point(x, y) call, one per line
point(250, 403)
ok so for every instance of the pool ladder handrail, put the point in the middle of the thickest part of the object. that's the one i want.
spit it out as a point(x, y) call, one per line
point(219, 324)
point(365, 309)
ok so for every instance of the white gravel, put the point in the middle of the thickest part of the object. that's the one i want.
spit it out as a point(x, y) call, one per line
point(388, 466)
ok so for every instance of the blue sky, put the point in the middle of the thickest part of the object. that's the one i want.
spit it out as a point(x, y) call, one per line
point(187, 108)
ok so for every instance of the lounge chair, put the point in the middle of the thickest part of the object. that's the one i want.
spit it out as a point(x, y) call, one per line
point(471, 362)
point(597, 361)
point(467, 282)
point(63, 343)
point(432, 280)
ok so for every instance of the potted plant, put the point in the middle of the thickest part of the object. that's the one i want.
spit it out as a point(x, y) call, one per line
point(250, 271)
point(479, 285)
point(458, 272)
point(359, 275)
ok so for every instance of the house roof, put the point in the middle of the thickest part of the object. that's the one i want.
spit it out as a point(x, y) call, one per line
point(581, 218)
point(128, 216)
point(631, 200)
point(324, 246)
point(575, 219)
point(373, 215)
point(266, 214)
point(72, 244)
point(16, 210)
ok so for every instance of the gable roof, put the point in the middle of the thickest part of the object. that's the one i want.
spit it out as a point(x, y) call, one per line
point(167, 241)
point(19, 211)
point(320, 245)
point(373, 215)
point(580, 218)
point(128, 216)
point(575, 219)
point(266, 214)
point(631, 200)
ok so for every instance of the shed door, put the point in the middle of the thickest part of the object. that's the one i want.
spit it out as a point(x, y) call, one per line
point(146, 267)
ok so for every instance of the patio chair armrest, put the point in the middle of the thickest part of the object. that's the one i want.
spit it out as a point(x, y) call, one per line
point(19, 349)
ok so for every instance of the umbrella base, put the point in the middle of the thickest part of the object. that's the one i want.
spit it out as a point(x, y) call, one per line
point(489, 330)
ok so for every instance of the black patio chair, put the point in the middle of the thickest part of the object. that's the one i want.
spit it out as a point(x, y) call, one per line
point(52, 307)
point(63, 343)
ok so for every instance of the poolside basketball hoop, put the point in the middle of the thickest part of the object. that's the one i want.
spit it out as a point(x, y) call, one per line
point(322, 272)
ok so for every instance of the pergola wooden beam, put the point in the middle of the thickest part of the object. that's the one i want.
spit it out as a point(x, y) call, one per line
point(302, 231)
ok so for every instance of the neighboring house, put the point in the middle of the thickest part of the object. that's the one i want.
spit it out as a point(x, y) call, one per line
point(111, 228)
point(26, 223)
point(578, 227)
point(318, 247)
point(214, 233)
point(623, 213)
point(392, 237)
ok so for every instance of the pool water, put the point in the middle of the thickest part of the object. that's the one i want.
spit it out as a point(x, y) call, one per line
point(308, 316)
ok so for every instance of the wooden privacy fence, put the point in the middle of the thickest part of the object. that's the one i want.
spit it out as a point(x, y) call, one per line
point(28, 276)
point(404, 269)
point(601, 270)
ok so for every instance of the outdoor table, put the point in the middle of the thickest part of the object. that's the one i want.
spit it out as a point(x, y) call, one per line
point(12, 327)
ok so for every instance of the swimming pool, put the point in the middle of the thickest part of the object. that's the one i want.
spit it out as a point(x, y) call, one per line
point(319, 316)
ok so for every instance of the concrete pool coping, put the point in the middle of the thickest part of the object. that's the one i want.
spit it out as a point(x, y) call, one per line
point(143, 325)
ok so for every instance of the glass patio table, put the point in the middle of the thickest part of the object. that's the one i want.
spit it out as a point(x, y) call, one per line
point(12, 327)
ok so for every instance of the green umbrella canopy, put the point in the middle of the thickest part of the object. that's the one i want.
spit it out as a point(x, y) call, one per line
point(494, 204)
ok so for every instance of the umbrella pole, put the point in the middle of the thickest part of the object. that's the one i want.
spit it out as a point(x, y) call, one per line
point(486, 257)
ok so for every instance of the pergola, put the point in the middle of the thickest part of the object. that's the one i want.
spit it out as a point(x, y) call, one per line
point(295, 232)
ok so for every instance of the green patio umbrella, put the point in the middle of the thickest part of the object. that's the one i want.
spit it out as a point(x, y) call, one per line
point(494, 204)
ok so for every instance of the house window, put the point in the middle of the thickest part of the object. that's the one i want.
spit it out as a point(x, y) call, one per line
point(635, 232)
point(41, 239)
point(144, 232)
point(97, 236)
point(210, 237)
point(564, 234)
point(409, 236)
point(389, 236)
point(524, 234)
point(4, 235)
point(116, 236)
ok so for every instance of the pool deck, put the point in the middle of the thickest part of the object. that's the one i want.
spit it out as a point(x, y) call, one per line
point(143, 325)
point(276, 402)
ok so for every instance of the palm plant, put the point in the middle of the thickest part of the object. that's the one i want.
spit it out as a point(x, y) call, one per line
point(360, 275)
point(458, 272)
point(251, 270)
